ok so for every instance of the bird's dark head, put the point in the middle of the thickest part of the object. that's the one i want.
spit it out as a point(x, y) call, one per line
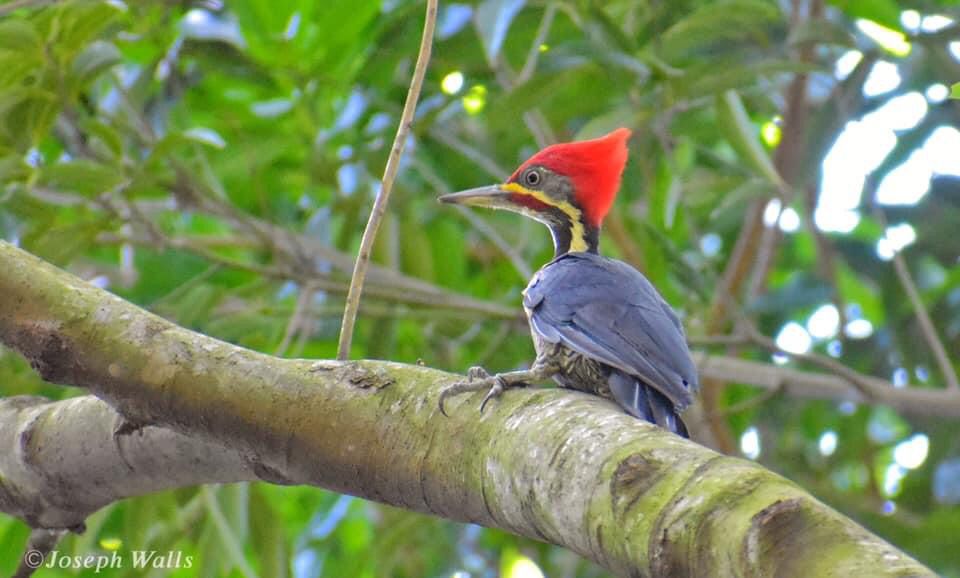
point(570, 187)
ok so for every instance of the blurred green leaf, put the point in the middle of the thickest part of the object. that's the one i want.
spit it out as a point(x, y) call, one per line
point(886, 12)
point(205, 136)
point(25, 115)
point(94, 59)
point(723, 74)
point(268, 535)
point(744, 137)
point(20, 71)
point(81, 176)
point(47, 238)
point(70, 25)
point(822, 32)
point(416, 255)
point(716, 22)
point(12, 168)
point(105, 137)
point(13, 535)
point(20, 36)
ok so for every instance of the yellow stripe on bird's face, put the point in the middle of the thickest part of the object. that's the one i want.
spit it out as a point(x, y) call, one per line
point(578, 238)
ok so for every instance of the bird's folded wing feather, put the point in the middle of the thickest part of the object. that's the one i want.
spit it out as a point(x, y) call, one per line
point(608, 311)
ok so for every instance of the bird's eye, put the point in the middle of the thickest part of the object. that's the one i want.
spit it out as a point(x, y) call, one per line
point(532, 178)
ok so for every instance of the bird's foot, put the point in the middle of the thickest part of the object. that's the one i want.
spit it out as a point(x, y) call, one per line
point(478, 379)
point(476, 373)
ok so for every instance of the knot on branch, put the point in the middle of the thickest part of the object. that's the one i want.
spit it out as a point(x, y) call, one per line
point(634, 477)
point(365, 378)
point(774, 528)
point(355, 374)
point(48, 353)
point(269, 474)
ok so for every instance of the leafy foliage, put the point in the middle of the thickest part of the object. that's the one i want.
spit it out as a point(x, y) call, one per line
point(171, 151)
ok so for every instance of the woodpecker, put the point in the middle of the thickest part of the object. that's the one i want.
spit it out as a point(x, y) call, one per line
point(598, 325)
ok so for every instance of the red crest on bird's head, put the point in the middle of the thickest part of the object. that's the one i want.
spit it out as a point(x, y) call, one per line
point(593, 166)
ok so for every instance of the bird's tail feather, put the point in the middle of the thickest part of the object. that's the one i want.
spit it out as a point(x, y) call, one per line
point(644, 402)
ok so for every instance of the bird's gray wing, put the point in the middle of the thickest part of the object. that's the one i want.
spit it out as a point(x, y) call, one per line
point(608, 311)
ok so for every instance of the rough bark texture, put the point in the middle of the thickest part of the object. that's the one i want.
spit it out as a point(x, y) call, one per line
point(558, 466)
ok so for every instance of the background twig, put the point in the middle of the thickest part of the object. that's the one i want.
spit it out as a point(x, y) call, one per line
point(389, 175)
point(927, 328)
point(926, 324)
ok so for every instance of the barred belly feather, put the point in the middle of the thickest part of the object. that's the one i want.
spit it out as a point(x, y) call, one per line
point(576, 370)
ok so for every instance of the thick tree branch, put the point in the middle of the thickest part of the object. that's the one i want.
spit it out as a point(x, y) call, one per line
point(558, 466)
